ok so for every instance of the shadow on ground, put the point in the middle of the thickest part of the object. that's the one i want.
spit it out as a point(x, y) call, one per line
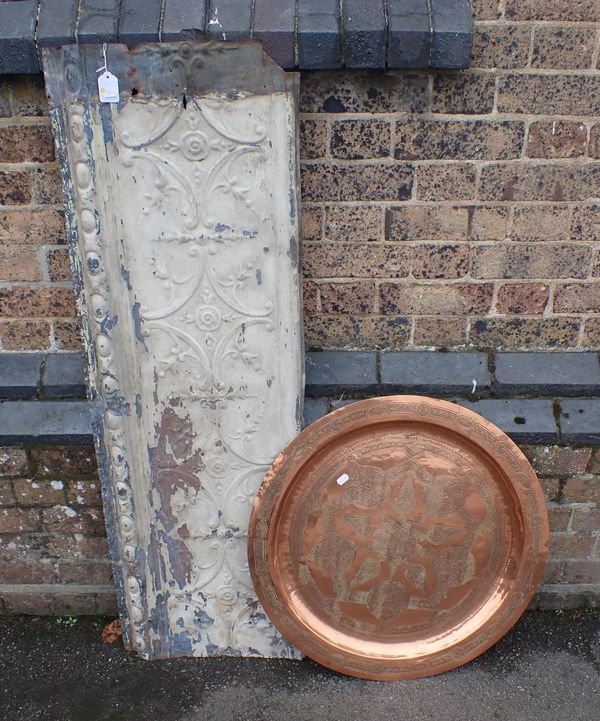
point(546, 669)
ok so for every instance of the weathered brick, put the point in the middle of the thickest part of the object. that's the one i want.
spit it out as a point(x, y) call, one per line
point(313, 138)
point(501, 46)
point(27, 572)
point(65, 461)
point(586, 519)
point(37, 301)
point(585, 571)
point(17, 520)
point(426, 222)
point(485, 9)
point(553, 571)
point(582, 489)
point(559, 517)
point(524, 333)
point(428, 299)
point(463, 92)
point(46, 186)
point(38, 546)
point(312, 222)
point(522, 299)
point(540, 181)
point(521, 260)
point(25, 335)
point(545, 222)
point(29, 96)
point(446, 182)
point(440, 261)
point(26, 143)
point(551, 488)
point(582, 11)
point(45, 227)
point(92, 547)
point(548, 94)
point(310, 299)
point(577, 298)
point(5, 111)
point(58, 264)
point(344, 92)
point(353, 260)
point(453, 139)
point(591, 333)
point(336, 332)
point(35, 492)
point(488, 223)
point(353, 223)
point(360, 139)
point(7, 497)
point(559, 461)
point(594, 143)
point(67, 335)
point(65, 519)
point(556, 139)
point(439, 332)
point(356, 182)
point(13, 461)
point(85, 572)
point(570, 545)
point(347, 298)
point(564, 47)
point(19, 263)
point(14, 188)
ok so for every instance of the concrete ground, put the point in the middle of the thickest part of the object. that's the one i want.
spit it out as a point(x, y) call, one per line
point(546, 669)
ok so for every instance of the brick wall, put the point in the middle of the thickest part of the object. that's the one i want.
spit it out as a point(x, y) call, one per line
point(460, 209)
point(54, 558)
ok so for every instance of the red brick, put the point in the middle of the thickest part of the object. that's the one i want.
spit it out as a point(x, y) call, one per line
point(38, 546)
point(349, 298)
point(540, 181)
point(594, 144)
point(429, 299)
point(524, 333)
point(577, 298)
point(336, 332)
point(458, 139)
point(553, 572)
point(582, 10)
point(7, 497)
point(542, 223)
point(86, 572)
point(24, 602)
point(548, 94)
point(67, 335)
point(582, 489)
point(14, 188)
point(34, 492)
point(594, 466)
point(591, 333)
point(558, 461)
point(556, 139)
point(17, 520)
point(446, 182)
point(66, 461)
point(360, 139)
point(353, 224)
point(43, 300)
point(551, 488)
point(586, 519)
point(563, 47)
point(488, 223)
point(19, 263)
point(353, 260)
point(29, 95)
point(485, 9)
point(13, 461)
point(25, 335)
point(313, 138)
point(65, 519)
point(312, 222)
point(464, 93)
point(438, 261)
point(26, 143)
point(42, 227)
point(582, 572)
point(46, 186)
point(559, 517)
point(501, 46)
point(92, 547)
point(570, 545)
point(356, 182)
point(58, 265)
point(585, 224)
point(426, 222)
point(24, 572)
point(310, 297)
point(519, 260)
point(522, 299)
point(439, 332)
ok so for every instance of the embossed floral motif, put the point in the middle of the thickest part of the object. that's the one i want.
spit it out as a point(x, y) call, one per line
point(195, 145)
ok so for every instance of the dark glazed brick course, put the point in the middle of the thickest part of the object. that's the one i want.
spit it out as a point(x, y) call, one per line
point(56, 22)
point(98, 21)
point(524, 420)
point(17, 29)
point(364, 31)
point(580, 420)
point(452, 41)
point(326, 372)
point(274, 25)
point(319, 38)
point(409, 33)
point(560, 373)
point(229, 19)
point(183, 18)
point(139, 21)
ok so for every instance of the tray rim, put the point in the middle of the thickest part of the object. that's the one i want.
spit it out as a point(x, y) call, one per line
point(492, 441)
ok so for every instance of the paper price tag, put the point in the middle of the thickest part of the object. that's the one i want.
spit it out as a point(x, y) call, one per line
point(108, 87)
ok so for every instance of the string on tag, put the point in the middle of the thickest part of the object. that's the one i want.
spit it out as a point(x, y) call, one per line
point(105, 66)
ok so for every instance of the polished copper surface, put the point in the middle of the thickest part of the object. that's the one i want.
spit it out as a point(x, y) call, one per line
point(398, 537)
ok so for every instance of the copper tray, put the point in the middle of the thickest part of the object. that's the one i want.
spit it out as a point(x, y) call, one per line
point(398, 537)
